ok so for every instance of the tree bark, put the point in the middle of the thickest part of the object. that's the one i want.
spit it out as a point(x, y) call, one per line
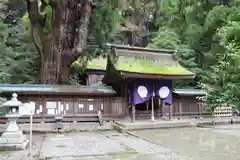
point(66, 40)
point(55, 66)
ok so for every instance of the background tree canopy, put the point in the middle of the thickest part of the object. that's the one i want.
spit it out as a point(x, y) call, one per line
point(205, 35)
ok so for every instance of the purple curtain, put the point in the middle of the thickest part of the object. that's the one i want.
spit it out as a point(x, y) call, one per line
point(160, 83)
point(141, 91)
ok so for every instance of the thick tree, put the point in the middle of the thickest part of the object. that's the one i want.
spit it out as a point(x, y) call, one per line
point(66, 37)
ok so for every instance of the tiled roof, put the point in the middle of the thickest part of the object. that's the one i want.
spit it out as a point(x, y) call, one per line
point(142, 60)
point(198, 92)
point(54, 89)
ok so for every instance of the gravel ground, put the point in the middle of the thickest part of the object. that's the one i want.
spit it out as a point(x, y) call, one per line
point(159, 144)
point(104, 146)
point(198, 144)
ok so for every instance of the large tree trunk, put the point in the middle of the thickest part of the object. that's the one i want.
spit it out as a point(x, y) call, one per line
point(67, 39)
point(55, 67)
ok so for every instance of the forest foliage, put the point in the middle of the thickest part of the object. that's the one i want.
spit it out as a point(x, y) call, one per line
point(204, 33)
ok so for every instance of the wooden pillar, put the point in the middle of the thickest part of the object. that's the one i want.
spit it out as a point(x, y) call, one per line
point(127, 106)
point(200, 108)
point(152, 115)
point(180, 108)
point(111, 103)
point(170, 112)
point(43, 101)
point(133, 114)
point(159, 108)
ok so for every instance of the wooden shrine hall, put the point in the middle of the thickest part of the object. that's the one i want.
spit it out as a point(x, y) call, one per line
point(143, 77)
point(129, 83)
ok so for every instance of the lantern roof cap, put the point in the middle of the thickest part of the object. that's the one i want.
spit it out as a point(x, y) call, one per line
point(14, 102)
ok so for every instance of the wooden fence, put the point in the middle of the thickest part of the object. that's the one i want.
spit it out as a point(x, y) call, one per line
point(191, 115)
point(75, 110)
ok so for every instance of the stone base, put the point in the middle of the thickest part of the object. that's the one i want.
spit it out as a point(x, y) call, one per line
point(13, 142)
point(14, 147)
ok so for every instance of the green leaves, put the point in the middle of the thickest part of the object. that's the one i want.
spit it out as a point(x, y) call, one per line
point(223, 83)
point(165, 38)
point(206, 37)
point(17, 54)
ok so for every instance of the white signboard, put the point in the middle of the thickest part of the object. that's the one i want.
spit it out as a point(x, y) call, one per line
point(91, 107)
point(80, 106)
point(50, 111)
point(51, 104)
point(40, 108)
point(61, 109)
point(27, 108)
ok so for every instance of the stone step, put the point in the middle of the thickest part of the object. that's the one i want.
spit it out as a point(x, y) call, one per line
point(124, 127)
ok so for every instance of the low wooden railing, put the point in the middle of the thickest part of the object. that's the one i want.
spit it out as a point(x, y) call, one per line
point(147, 114)
point(106, 117)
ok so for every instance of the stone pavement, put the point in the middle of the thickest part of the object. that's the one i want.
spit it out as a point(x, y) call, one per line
point(93, 145)
point(103, 145)
point(158, 144)
point(197, 143)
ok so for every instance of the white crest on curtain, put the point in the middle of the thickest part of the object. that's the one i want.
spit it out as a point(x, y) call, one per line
point(142, 91)
point(164, 92)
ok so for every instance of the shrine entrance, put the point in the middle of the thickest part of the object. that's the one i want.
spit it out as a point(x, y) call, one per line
point(144, 110)
point(160, 110)
point(148, 98)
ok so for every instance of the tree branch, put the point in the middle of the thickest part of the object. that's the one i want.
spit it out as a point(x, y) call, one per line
point(37, 21)
point(80, 41)
point(43, 6)
point(56, 3)
point(57, 11)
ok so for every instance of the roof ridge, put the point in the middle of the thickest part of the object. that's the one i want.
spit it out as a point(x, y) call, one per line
point(127, 47)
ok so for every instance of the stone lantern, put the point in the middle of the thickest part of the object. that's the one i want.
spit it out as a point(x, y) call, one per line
point(13, 138)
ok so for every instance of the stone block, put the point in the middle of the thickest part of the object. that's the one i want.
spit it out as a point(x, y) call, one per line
point(13, 141)
point(13, 144)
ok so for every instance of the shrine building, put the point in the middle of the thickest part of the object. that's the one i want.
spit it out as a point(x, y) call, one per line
point(129, 83)
point(143, 77)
